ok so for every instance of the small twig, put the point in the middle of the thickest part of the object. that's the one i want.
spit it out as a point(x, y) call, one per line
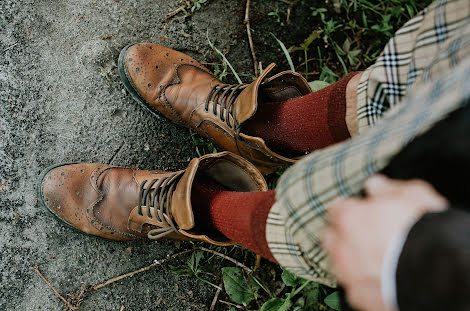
point(155, 263)
point(10, 47)
point(217, 293)
point(257, 262)
point(231, 304)
point(250, 39)
point(78, 298)
point(53, 289)
point(312, 73)
point(225, 257)
point(116, 153)
point(172, 13)
point(308, 60)
point(289, 8)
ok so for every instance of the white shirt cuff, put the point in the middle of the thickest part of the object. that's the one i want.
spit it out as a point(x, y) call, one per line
point(389, 269)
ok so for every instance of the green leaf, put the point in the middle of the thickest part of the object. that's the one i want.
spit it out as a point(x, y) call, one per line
point(299, 303)
point(318, 85)
point(346, 45)
point(181, 270)
point(272, 304)
point(289, 278)
point(328, 75)
point(286, 53)
point(193, 261)
point(304, 45)
point(312, 37)
point(277, 304)
point(312, 296)
point(236, 287)
point(333, 301)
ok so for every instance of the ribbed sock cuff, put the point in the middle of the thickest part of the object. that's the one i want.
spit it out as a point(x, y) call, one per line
point(337, 109)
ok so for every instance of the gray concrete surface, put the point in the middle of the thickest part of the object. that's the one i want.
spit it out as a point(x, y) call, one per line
point(61, 101)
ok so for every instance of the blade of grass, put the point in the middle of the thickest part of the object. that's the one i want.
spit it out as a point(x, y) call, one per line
point(342, 63)
point(223, 57)
point(286, 53)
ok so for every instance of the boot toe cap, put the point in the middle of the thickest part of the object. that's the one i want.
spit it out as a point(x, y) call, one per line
point(150, 67)
point(63, 191)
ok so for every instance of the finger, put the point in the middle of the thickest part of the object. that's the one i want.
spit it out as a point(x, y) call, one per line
point(427, 194)
point(416, 190)
point(332, 245)
point(337, 214)
point(378, 185)
point(328, 240)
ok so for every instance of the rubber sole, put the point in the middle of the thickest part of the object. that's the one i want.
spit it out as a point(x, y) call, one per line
point(40, 197)
point(129, 85)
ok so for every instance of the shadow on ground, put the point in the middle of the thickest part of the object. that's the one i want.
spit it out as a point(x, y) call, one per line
point(62, 101)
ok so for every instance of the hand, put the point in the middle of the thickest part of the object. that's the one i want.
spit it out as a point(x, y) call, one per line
point(360, 230)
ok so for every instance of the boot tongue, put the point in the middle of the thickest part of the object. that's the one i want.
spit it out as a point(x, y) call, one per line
point(181, 208)
point(247, 102)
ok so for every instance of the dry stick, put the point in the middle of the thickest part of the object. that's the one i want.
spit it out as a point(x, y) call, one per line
point(250, 39)
point(10, 47)
point(53, 289)
point(217, 293)
point(231, 304)
point(289, 8)
point(225, 257)
point(156, 263)
point(257, 262)
point(171, 14)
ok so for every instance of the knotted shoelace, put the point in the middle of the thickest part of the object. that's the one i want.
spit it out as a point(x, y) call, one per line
point(159, 198)
point(224, 96)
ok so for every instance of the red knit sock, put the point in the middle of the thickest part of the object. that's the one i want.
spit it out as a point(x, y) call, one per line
point(240, 216)
point(303, 124)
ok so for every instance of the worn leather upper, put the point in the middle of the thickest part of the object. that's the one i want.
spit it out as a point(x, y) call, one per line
point(178, 87)
point(103, 200)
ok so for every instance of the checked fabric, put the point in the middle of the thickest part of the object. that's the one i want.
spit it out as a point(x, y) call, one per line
point(422, 75)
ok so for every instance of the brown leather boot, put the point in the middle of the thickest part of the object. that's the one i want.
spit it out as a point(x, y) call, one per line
point(178, 87)
point(123, 204)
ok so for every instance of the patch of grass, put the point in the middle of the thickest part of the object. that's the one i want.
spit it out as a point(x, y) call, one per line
point(225, 61)
point(352, 35)
point(202, 145)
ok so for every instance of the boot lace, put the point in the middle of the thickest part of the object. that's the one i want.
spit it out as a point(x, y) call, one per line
point(224, 96)
point(159, 198)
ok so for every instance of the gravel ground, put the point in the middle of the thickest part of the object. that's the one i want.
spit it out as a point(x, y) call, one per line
point(62, 101)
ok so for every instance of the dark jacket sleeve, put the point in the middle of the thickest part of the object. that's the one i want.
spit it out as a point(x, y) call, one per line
point(433, 271)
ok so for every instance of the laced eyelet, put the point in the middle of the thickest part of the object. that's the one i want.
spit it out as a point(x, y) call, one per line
point(158, 198)
point(224, 97)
